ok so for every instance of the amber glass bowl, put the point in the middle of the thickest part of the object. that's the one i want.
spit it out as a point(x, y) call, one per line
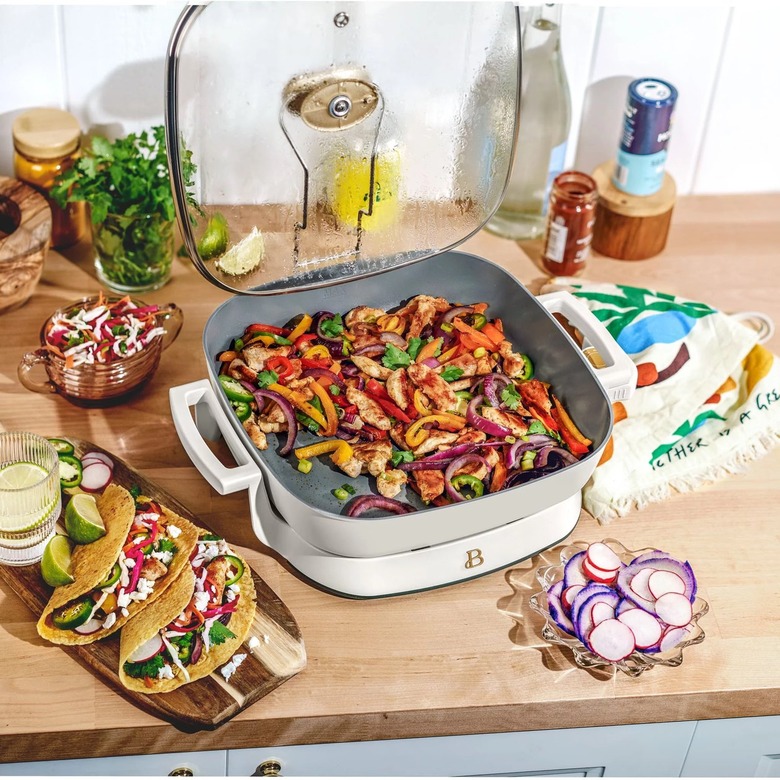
point(100, 384)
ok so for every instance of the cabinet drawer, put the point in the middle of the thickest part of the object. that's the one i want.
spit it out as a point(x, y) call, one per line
point(199, 764)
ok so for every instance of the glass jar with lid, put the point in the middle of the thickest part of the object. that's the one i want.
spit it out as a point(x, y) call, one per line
point(46, 143)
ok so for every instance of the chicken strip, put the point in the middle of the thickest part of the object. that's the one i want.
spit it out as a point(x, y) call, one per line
point(255, 434)
point(240, 370)
point(435, 440)
point(470, 436)
point(507, 419)
point(474, 468)
point(352, 467)
point(371, 367)
point(514, 362)
point(398, 389)
point(256, 355)
point(389, 483)
point(217, 573)
point(466, 363)
point(430, 483)
point(362, 314)
point(374, 455)
point(535, 392)
point(153, 569)
point(370, 411)
point(398, 435)
point(440, 393)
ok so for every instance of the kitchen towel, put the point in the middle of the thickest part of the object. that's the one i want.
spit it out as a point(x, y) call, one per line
point(707, 399)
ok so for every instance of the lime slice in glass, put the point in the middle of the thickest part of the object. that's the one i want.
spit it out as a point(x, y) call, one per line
point(82, 519)
point(55, 564)
point(23, 474)
point(245, 256)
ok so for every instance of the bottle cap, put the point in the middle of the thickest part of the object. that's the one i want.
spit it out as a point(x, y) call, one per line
point(46, 133)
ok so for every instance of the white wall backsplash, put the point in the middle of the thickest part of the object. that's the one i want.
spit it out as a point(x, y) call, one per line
point(105, 64)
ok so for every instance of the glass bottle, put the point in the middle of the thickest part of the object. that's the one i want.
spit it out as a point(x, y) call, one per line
point(46, 143)
point(572, 215)
point(545, 118)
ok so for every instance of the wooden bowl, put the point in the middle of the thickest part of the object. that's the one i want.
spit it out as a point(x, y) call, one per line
point(25, 234)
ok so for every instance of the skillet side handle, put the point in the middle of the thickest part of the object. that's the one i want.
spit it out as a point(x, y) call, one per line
point(618, 375)
point(224, 480)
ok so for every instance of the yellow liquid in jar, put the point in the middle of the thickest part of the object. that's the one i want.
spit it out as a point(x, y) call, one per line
point(351, 186)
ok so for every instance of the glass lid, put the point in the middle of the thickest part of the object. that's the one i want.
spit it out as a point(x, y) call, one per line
point(311, 142)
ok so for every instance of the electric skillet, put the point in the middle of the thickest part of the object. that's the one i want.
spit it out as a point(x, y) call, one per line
point(347, 148)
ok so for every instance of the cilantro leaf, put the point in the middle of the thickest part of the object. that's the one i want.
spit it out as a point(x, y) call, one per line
point(511, 397)
point(334, 389)
point(401, 456)
point(537, 426)
point(451, 373)
point(219, 633)
point(135, 491)
point(333, 327)
point(209, 538)
point(395, 358)
point(143, 669)
point(265, 378)
point(413, 347)
point(165, 545)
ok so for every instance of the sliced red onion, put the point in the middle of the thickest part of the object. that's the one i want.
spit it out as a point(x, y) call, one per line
point(533, 442)
point(457, 311)
point(564, 455)
point(493, 384)
point(457, 464)
point(319, 318)
point(452, 452)
point(431, 362)
point(287, 410)
point(480, 423)
point(350, 370)
point(394, 339)
point(320, 373)
point(363, 504)
point(197, 648)
point(370, 350)
point(425, 465)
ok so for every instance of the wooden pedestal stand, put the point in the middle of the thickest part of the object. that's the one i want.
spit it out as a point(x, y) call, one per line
point(631, 227)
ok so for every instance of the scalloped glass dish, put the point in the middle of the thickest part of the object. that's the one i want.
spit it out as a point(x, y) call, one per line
point(638, 661)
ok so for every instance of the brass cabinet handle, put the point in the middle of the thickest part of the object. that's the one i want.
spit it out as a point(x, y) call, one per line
point(271, 767)
point(181, 771)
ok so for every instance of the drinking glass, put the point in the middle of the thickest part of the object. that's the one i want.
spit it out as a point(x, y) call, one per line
point(30, 498)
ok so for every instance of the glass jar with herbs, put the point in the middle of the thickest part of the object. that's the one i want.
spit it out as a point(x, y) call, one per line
point(127, 187)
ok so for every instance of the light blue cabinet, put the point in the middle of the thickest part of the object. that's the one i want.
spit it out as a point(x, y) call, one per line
point(735, 747)
point(656, 749)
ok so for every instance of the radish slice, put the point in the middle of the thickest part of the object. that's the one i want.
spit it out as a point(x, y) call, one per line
point(612, 640)
point(601, 611)
point(647, 630)
point(95, 477)
point(99, 456)
point(662, 582)
point(602, 557)
point(557, 612)
point(582, 611)
point(572, 571)
point(598, 575)
point(90, 627)
point(624, 606)
point(672, 637)
point(639, 584)
point(147, 650)
point(674, 609)
point(567, 597)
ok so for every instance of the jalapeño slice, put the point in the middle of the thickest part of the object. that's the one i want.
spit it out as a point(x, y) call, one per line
point(111, 577)
point(74, 614)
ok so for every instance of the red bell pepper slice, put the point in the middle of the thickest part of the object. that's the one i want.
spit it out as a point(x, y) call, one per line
point(374, 388)
point(576, 447)
point(262, 327)
point(281, 365)
point(312, 363)
point(302, 342)
point(373, 433)
point(392, 409)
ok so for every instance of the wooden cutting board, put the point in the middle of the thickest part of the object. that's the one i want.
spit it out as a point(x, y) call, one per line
point(210, 701)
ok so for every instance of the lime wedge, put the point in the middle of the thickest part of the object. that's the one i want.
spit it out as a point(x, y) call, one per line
point(55, 564)
point(82, 519)
point(23, 474)
point(245, 256)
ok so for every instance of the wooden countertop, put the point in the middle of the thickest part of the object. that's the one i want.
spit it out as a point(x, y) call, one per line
point(451, 661)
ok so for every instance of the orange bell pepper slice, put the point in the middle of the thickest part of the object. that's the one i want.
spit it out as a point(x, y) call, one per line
point(296, 399)
point(566, 422)
point(429, 350)
point(342, 451)
point(330, 410)
point(474, 336)
point(493, 333)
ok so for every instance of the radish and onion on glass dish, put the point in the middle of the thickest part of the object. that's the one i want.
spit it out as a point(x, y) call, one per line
point(615, 607)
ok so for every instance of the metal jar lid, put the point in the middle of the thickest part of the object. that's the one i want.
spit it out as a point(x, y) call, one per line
point(46, 133)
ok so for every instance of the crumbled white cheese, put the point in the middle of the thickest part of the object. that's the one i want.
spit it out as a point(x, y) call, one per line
point(253, 642)
point(201, 600)
point(125, 610)
point(230, 594)
point(129, 563)
point(238, 659)
point(235, 588)
point(123, 600)
point(110, 620)
point(173, 530)
point(165, 556)
point(227, 670)
point(165, 672)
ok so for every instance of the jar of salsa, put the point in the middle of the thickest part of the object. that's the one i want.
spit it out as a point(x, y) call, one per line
point(46, 143)
point(570, 221)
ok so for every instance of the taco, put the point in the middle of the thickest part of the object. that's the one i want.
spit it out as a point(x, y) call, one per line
point(195, 627)
point(121, 574)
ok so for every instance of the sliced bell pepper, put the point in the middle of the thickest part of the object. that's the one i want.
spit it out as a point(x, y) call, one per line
point(319, 351)
point(420, 403)
point(373, 434)
point(391, 323)
point(310, 363)
point(449, 354)
point(262, 327)
point(449, 422)
point(259, 338)
point(468, 480)
point(498, 478)
point(543, 417)
point(281, 365)
point(296, 399)
point(302, 342)
point(300, 328)
point(429, 350)
point(576, 447)
point(475, 337)
point(234, 390)
point(392, 409)
point(567, 423)
point(376, 388)
point(342, 451)
point(493, 333)
point(330, 410)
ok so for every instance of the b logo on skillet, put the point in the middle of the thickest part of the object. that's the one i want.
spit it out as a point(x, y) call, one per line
point(474, 558)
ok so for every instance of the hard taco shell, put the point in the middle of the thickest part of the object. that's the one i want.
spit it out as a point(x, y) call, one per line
point(143, 627)
point(91, 563)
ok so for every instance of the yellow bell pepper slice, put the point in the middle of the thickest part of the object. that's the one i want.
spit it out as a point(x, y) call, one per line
point(316, 353)
point(342, 451)
point(421, 403)
point(328, 406)
point(449, 354)
point(391, 323)
point(296, 399)
point(301, 328)
point(416, 434)
point(429, 350)
point(267, 340)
